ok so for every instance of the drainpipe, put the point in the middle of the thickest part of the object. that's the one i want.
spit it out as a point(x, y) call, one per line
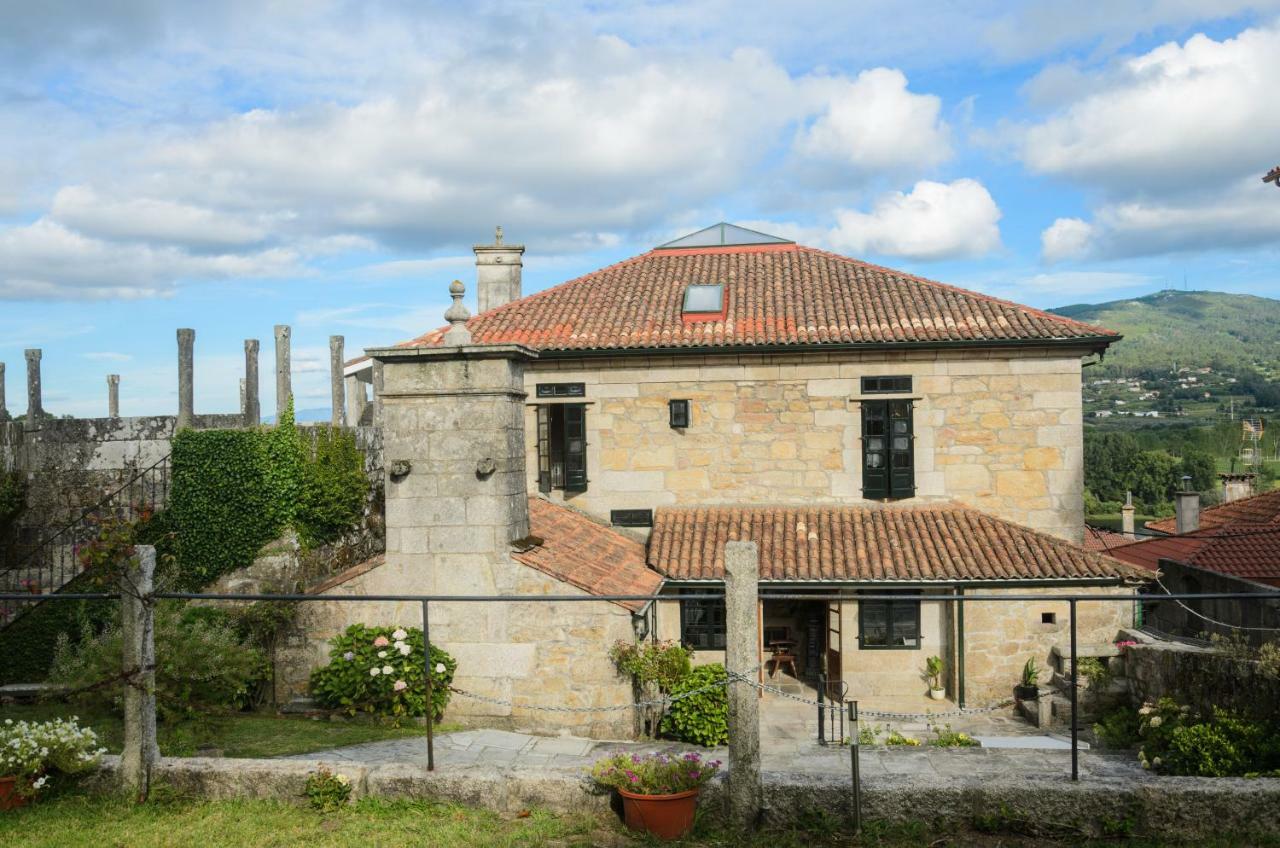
point(960, 649)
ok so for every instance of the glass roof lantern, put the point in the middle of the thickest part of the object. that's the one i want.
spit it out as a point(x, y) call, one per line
point(723, 235)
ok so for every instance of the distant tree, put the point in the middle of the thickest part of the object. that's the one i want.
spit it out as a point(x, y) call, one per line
point(1154, 476)
point(1108, 462)
point(1201, 468)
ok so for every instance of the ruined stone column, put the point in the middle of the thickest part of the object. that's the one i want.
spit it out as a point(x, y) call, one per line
point(355, 400)
point(35, 409)
point(186, 377)
point(337, 419)
point(4, 411)
point(113, 395)
point(252, 405)
point(741, 598)
point(284, 386)
point(137, 626)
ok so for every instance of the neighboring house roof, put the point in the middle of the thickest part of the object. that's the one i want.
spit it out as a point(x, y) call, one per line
point(1098, 539)
point(585, 554)
point(1258, 509)
point(1248, 551)
point(778, 295)
point(936, 543)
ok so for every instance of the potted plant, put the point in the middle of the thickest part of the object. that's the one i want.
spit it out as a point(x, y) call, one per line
point(659, 791)
point(31, 585)
point(933, 671)
point(1028, 690)
point(32, 753)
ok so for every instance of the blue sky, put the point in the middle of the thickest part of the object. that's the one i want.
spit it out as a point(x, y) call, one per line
point(328, 165)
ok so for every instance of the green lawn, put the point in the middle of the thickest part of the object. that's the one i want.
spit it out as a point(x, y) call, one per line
point(234, 734)
point(74, 820)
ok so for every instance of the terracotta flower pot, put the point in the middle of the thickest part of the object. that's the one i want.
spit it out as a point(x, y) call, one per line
point(10, 799)
point(664, 816)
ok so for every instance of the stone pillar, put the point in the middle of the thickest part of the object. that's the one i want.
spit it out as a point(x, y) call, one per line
point(35, 409)
point(355, 400)
point(113, 395)
point(186, 377)
point(4, 411)
point(498, 268)
point(284, 384)
point(137, 625)
point(741, 597)
point(252, 405)
point(1126, 517)
point(336, 365)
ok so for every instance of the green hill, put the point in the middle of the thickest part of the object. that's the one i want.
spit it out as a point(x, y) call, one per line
point(1226, 332)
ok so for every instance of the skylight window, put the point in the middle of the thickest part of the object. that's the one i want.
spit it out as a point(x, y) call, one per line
point(704, 299)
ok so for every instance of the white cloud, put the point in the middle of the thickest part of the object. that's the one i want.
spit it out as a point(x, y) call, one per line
point(1082, 282)
point(872, 124)
point(1180, 116)
point(82, 208)
point(107, 356)
point(1066, 238)
point(934, 221)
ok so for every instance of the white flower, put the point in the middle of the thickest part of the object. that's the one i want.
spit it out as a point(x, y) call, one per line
point(343, 779)
point(404, 649)
point(39, 782)
point(439, 668)
point(382, 655)
point(375, 671)
point(386, 669)
point(1144, 711)
point(1156, 762)
point(348, 656)
point(399, 634)
point(1156, 721)
point(400, 686)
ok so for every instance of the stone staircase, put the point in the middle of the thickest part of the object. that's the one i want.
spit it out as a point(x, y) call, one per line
point(1053, 708)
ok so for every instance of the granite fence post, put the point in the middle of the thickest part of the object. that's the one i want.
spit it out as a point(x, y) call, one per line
point(336, 367)
point(35, 408)
point(356, 401)
point(186, 377)
point(141, 751)
point(113, 395)
point(741, 596)
point(252, 403)
point(284, 384)
point(4, 411)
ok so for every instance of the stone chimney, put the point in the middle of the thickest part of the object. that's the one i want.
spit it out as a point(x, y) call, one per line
point(1126, 517)
point(1187, 508)
point(497, 272)
point(1236, 486)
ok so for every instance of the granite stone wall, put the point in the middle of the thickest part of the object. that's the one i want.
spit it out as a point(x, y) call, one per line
point(999, 430)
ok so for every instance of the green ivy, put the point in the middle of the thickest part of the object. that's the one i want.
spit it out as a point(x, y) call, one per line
point(333, 488)
point(702, 719)
point(29, 643)
point(13, 497)
point(370, 672)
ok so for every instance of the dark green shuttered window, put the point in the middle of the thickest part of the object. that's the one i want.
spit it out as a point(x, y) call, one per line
point(888, 450)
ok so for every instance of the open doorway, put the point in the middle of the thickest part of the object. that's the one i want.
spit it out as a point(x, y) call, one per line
point(801, 644)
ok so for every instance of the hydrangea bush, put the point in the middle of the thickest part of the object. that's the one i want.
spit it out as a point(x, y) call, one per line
point(380, 670)
point(1177, 740)
point(654, 774)
point(37, 752)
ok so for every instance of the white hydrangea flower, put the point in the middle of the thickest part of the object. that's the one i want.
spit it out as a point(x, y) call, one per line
point(404, 649)
point(382, 655)
point(386, 669)
point(399, 634)
point(375, 671)
point(1156, 721)
point(439, 668)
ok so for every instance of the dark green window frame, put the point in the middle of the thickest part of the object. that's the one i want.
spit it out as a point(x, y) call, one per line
point(562, 447)
point(886, 385)
point(889, 625)
point(888, 450)
point(702, 624)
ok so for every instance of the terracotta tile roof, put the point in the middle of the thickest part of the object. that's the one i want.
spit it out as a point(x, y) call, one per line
point(1098, 539)
point(1258, 509)
point(777, 295)
point(588, 555)
point(945, 542)
point(1248, 551)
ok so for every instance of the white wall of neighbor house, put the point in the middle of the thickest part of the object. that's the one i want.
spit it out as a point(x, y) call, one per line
point(997, 429)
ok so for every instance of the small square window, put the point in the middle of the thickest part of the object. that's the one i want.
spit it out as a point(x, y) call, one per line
point(704, 298)
point(679, 410)
point(555, 390)
point(631, 517)
point(885, 385)
point(1048, 618)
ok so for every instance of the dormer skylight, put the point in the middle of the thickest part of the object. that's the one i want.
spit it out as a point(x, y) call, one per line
point(704, 299)
point(722, 235)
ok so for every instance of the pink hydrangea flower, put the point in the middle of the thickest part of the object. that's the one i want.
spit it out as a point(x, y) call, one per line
point(400, 686)
point(381, 642)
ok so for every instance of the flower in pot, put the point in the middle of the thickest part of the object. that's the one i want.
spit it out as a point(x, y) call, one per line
point(659, 791)
point(933, 671)
point(31, 585)
point(34, 753)
point(1027, 690)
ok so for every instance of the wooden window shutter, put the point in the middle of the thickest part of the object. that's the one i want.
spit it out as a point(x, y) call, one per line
point(575, 446)
point(875, 456)
point(544, 449)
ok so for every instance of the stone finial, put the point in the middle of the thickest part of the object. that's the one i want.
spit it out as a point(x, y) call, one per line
point(337, 415)
point(457, 316)
point(113, 395)
point(251, 405)
point(186, 377)
point(4, 411)
point(35, 407)
point(284, 370)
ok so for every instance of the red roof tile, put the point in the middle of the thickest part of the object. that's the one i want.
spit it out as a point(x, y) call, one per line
point(588, 555)
point(945, 542)
point(1258, 509)
point(778, 295)
point(1248, 551)
point(1098, 539)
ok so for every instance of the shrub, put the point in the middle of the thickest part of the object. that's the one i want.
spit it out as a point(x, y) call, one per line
point(663, 664)
point(1179, 741)
point(701, 718)
point(945, 737)
point(1118, 728)
point(201, 663)
point(380, 670)
point(36, 752)
point(896, 738)
point(869, 734)
point(654, 774)
point(327, 791)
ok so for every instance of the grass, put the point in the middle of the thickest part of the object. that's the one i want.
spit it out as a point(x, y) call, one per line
point(74, 820)
point(234, 734)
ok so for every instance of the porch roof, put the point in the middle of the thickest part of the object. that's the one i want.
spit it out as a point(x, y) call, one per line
point(933, 543)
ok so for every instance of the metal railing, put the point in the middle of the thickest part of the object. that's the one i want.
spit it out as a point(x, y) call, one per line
point(41, 568)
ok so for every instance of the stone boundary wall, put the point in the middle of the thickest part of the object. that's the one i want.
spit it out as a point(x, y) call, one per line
point(1185, 808)
point(1199, 676)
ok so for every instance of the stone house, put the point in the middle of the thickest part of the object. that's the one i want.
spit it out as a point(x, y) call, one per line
point(871, 430)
